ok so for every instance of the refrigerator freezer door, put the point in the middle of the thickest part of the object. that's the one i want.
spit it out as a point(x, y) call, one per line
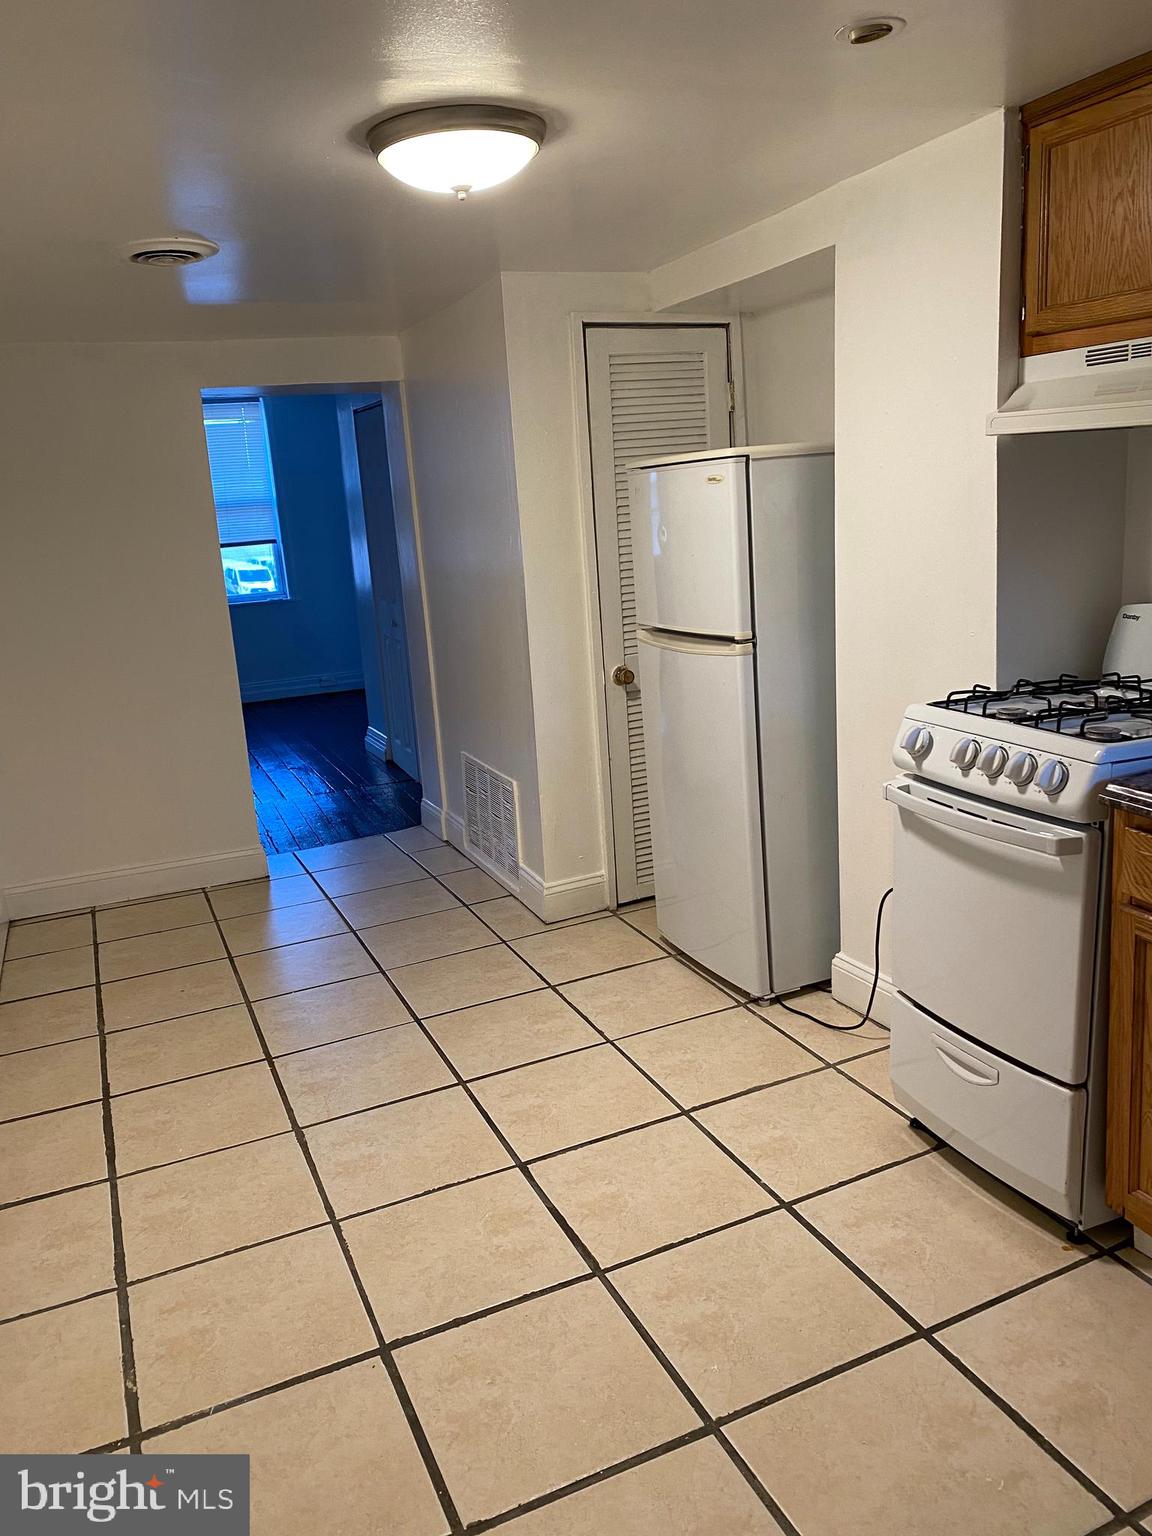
point(690, 547)
point(700, 737)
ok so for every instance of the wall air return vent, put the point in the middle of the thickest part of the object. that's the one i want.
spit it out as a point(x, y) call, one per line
point(490, 824)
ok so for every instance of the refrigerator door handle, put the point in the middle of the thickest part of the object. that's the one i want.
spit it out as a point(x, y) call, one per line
point(693, 645)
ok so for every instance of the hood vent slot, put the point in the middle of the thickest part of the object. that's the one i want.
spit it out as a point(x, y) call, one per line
point(1117, 352)
point(490, 820)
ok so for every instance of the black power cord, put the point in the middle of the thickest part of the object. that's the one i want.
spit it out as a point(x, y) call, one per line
point(779, 1002)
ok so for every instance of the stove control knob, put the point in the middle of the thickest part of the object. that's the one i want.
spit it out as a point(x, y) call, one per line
point(917, 742)
point(965, 753)
point(1052, 777)
point(1022, 769)
point(992, 761)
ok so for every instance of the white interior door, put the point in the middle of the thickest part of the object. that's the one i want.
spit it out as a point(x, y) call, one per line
point(652, 389)
point(387, 592)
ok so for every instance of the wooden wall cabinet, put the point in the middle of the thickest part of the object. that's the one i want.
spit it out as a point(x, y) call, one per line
point(1088, 211)
point(1129, 1166)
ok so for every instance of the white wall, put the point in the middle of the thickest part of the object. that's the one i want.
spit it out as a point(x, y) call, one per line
point(460, 434)
point(496, 421)
point(124, 768)
point(1137, 580)
point(922, 336)
point(1060, 551)
point(789, 371)
point(549, 424)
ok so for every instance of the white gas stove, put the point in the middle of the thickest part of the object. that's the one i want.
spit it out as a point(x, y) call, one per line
point(1047, 747)
point(999, 917)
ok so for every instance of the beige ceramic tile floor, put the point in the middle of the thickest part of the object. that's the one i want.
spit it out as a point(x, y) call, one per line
point(455, 1220)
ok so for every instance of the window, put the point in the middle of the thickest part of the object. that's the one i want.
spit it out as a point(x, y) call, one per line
point(245, 496)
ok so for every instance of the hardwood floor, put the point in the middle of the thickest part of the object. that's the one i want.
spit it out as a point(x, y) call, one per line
point(312, 780)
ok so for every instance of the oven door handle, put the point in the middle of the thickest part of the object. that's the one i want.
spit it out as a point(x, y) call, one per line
point(1052, 844)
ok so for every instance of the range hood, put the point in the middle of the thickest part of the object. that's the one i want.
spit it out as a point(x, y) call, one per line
point(1109, 385)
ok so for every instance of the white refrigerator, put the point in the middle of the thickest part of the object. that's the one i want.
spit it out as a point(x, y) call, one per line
point(734, 571)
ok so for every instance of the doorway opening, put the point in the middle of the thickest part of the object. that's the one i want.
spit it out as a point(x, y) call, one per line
point(310, 563)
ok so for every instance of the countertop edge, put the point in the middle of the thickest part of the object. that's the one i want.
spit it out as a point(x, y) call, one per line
point(1134, 794)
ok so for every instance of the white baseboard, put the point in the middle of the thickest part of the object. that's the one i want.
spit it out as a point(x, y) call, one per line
point(300, 687)
point(432, 819)
point(852, 982)
point(551, 900)
point(554, 900)
point(131, 882)
point(376, 743)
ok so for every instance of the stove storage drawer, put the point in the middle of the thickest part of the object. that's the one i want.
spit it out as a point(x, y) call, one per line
point(1133, 860)
point(1026, 1130)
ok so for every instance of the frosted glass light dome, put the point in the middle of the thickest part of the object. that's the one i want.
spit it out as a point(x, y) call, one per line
point(457, 149)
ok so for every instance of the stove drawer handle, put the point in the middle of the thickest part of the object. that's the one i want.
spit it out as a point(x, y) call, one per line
point(963, 1065)
point(1052, 844)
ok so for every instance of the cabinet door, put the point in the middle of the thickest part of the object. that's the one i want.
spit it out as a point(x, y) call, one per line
point(1088, 221)
point(1129, 1187)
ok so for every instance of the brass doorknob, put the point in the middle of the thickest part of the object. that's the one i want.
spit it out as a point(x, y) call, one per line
point(623, 676)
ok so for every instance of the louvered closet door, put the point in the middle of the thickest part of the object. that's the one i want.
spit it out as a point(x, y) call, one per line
point(651, 390)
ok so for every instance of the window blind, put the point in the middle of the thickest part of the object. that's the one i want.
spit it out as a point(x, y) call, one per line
point(241, 466)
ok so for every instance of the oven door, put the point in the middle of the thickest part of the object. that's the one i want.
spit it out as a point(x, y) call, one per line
point(994, 924)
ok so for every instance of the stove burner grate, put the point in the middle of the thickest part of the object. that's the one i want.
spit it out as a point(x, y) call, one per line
point(1055, 704)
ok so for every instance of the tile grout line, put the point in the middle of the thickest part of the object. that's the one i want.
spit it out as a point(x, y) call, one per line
point(423, 1446)
point(479, 1077)
point(1066, 1463)
point(597, 1271)
point(609, 1267)
point(119, 1261)
point(601, 1475)
point(197, 1414)
point(821, 1064)
point(68, 1189)
point(919, 1331)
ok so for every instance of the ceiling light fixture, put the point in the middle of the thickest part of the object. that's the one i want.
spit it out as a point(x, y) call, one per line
point(170, 251)
point(458, 149)
point(876, 29)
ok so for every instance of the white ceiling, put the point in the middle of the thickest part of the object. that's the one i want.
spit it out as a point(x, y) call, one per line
point(672, 122)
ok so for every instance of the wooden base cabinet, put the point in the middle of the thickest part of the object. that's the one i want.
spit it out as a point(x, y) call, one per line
point(1129, 1172)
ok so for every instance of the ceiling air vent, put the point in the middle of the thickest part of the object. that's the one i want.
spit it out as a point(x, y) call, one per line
point(490, 818)
point(172, 251)
point(1117, 352)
